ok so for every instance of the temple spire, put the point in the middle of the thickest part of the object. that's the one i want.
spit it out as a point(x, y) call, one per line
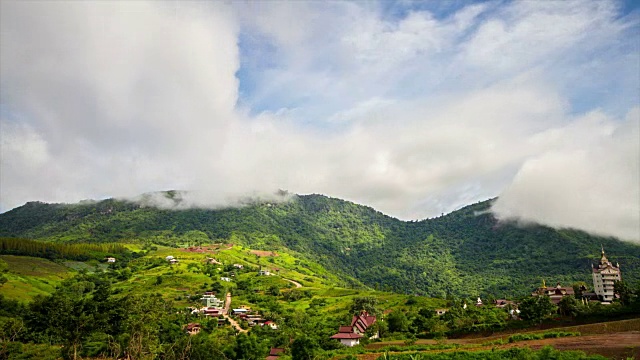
point(603, 259)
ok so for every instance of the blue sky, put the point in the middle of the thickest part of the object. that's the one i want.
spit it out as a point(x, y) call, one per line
point(414, 108)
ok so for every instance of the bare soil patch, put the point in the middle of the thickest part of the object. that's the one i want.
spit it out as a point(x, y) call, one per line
point(618, 345)
point(612, 345)
point(201, 249)
point(262, 253)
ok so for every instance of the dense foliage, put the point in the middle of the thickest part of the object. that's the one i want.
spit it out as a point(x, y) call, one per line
point(467, 252)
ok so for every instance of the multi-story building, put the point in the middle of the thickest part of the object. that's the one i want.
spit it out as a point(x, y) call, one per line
point(210, 300)
point(604, 277)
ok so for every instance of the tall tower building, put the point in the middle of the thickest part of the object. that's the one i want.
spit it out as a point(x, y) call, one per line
point(604, 276)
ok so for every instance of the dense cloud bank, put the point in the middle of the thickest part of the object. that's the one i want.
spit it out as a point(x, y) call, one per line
point(413, 112)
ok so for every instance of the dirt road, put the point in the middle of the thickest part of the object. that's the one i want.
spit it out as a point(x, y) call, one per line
point(225, 313)
point(297, 284)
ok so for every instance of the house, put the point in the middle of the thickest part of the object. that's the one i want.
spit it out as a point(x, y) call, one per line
point(173, 261)
point(554, 293)
point(271, 324)
point(347, 337)
point(238, 266)
point(264, 273)
point(502, 303)
point(111, 259)
point(169, 258)
point(193, 328)
point(254, 320)
point(440, 312)
point(360, 323)
point(274, 353)
point(211, 311)
point(239, 311)
point(351, 335)
point(209, 299)
point(479, 302)
point(604, 277)
point(225, 279)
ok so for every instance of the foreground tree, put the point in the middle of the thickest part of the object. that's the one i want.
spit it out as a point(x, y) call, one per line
point(568, 306)
point(365, 303)
point(536, 308)
point(303, 348)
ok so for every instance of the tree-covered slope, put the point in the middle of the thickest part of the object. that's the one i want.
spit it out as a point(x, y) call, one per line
point(466, 252)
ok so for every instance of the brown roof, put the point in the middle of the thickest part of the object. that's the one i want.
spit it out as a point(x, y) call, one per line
point(192, 326)
point(342, 335)
point(345, 329)
point(363, 321)
point(276, 351)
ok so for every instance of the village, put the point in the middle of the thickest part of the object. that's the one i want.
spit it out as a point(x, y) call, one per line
point(242, 318)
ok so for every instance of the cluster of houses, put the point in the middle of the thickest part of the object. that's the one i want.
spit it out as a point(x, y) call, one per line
point(245, 313)
point(604, 276)
point(212, 306)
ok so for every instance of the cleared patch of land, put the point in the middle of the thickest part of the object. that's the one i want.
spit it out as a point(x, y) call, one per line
point(614, 339)
point(264, 253)
point(30, 276)
point(32, 266)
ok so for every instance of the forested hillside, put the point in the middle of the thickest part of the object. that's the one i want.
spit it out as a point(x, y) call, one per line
point(466, 252)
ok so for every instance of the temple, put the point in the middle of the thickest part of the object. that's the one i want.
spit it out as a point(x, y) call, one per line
point(604, 277)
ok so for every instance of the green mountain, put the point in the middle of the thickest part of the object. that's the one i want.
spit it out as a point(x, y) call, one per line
point(467, 252)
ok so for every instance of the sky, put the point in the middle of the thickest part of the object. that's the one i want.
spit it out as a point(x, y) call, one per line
point(413, 108)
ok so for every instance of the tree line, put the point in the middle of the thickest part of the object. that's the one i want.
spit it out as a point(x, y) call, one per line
point(53, 251)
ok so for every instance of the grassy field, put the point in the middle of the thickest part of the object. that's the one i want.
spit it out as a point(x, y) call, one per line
point(30, 276)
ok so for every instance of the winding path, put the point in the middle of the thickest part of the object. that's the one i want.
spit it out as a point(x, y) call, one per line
point(297, 284)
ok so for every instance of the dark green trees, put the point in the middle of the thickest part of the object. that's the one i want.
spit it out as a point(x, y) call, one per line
point(536, 308)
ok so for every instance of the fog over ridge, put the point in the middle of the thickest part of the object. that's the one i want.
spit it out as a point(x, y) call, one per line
point(413, 114)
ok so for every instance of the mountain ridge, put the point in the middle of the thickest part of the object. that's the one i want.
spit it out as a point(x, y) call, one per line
point(466, 252)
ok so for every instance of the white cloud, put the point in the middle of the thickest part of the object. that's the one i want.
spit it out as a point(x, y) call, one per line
point(414, 115)
point(590, 181)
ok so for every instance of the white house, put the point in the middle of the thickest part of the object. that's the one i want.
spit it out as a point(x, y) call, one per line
point(347, 337)
point(111, 259)
point(440, 312)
